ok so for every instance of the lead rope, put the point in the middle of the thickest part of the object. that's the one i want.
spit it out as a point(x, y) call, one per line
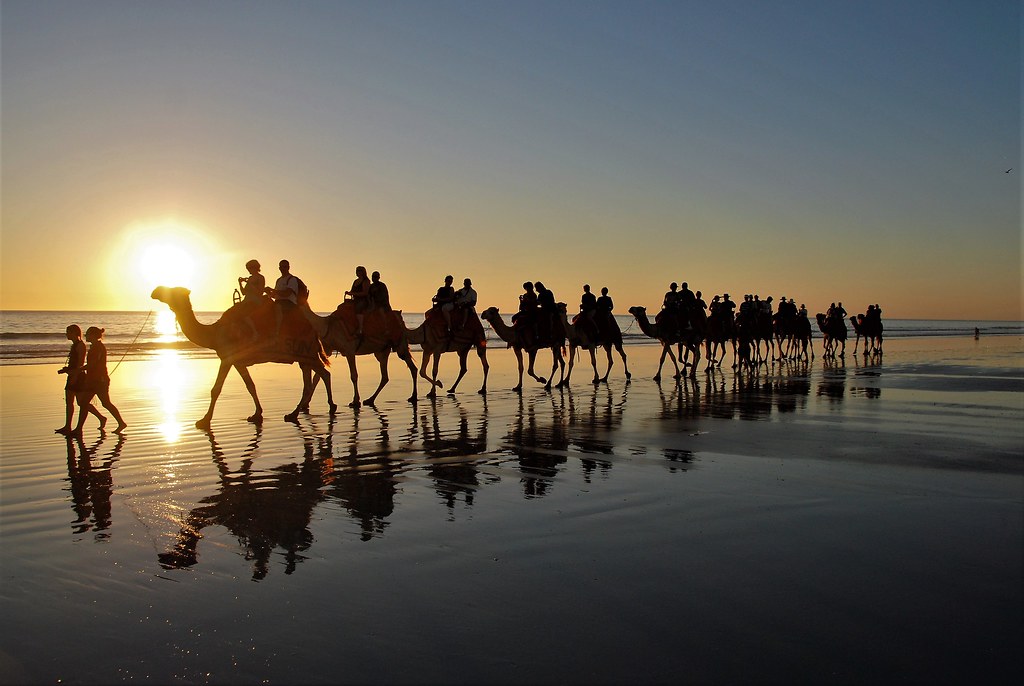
point(141, 329)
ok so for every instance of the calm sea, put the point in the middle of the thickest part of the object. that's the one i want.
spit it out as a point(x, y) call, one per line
point(36, 337)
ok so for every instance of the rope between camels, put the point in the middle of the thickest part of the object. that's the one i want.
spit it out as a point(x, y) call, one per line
point(131, 344)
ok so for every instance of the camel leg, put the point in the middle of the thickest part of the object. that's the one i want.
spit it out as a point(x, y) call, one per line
point(406, 356)
point(434, 385)
point(218, 385)
point(625, 365)
point(382, 358)
point(354, 375)
point(519, 359)
point(481, 352)
point(573, 352)
point(308, 386)
point(608, 369)
point(696, 360)
point(463, 354)
point(593, 363)
point(423, 371)
point(532, 359)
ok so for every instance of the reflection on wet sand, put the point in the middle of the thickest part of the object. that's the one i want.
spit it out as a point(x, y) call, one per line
point(263, 509)
point(91, 484)
point(359, 461)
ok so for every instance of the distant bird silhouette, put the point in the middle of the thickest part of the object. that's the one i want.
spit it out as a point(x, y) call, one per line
point(1008, 170)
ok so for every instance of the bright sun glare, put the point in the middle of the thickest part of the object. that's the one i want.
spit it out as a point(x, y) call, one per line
point(163, 252)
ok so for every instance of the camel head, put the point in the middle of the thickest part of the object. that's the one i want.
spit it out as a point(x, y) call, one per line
point(638, 310)
point(175, 298)
point(489, 314)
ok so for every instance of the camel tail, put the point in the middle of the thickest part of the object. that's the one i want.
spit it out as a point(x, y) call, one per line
point(322, 355)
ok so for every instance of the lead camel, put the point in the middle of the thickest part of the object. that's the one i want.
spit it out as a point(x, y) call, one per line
point(234, 345)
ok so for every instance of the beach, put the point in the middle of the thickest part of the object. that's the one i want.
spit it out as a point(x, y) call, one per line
point(851, 521)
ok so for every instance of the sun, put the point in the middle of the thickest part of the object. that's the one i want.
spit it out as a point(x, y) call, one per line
point(168, 252)
point(168, 263)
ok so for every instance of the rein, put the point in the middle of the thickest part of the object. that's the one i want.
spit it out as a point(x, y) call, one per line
point(141, 329)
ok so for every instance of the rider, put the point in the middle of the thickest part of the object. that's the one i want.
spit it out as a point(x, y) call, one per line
point(285, 294)
point(524, 319)
point(444, 301)
point(252, 288)
point(588, 311)
point(548, 310)
point(377, 294)
point(360, 293)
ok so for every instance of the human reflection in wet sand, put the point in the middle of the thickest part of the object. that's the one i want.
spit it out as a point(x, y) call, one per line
point(454, 462)
point(264, 509)
point(91, 485)
point(540, 445)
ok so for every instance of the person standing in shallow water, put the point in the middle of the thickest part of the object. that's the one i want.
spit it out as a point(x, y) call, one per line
point(97, 383)
point(76, 376)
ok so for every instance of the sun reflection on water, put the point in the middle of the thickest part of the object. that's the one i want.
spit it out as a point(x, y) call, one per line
point(170, 378)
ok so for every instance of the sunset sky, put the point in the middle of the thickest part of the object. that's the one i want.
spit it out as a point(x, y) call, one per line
point(827, 151)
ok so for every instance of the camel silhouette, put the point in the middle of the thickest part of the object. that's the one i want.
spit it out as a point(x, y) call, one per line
point(234, 345)
point(383, 332)
point(511, 336)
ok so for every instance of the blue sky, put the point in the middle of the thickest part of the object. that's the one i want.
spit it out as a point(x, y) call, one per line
point(820, 150)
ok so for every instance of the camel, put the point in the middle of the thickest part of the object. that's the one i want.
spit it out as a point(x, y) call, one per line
point(511, 336)
point(834, 331)
point(434, 341)
point(383, 332)
point(870, 329)
point(297, 343)
point(580, 338)
point(690, 338)
point(721, 329)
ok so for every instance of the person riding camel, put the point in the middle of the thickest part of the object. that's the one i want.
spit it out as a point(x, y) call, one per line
point(360, 294)
point(603, 315)
point(285, 294)
point(588, 312)
point(668, 319)
point(378, 300)
point(547, 321)
point(444, 302)
point(252, 288)
point(465, 302)
point(524, 320)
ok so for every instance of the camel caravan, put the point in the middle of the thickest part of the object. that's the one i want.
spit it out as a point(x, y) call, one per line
point(278, 325)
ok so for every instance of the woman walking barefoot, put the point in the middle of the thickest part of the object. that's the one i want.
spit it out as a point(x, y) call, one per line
point(97, 383)
point(76, 377)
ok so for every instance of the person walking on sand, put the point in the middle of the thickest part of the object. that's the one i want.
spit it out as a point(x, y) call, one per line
point(97, 383)
point(76, 377)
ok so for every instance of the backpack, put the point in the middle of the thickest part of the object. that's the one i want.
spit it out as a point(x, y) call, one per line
point(301, 291)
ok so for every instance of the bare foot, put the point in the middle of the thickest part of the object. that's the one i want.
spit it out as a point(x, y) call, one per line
point(120, 427)
point(103, 423)
point(66, 430)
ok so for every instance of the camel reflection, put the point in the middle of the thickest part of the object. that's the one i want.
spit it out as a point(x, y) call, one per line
point(91, 485)
point(454, 454)
point(359, 469)
point(265, 510)
point(539, 444)
point(599, 414)
point(782, 388)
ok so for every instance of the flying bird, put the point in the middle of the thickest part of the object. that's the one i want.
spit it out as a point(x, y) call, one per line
point(1008, 170)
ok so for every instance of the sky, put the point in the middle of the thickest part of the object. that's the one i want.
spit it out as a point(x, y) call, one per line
point(819, 150)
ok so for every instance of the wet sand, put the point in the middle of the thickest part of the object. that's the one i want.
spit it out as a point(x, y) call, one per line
point(823, 523)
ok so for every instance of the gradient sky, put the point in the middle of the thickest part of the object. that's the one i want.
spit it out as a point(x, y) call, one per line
point(827, 151)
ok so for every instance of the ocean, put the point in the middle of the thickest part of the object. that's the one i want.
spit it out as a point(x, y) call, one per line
point(37, 337)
